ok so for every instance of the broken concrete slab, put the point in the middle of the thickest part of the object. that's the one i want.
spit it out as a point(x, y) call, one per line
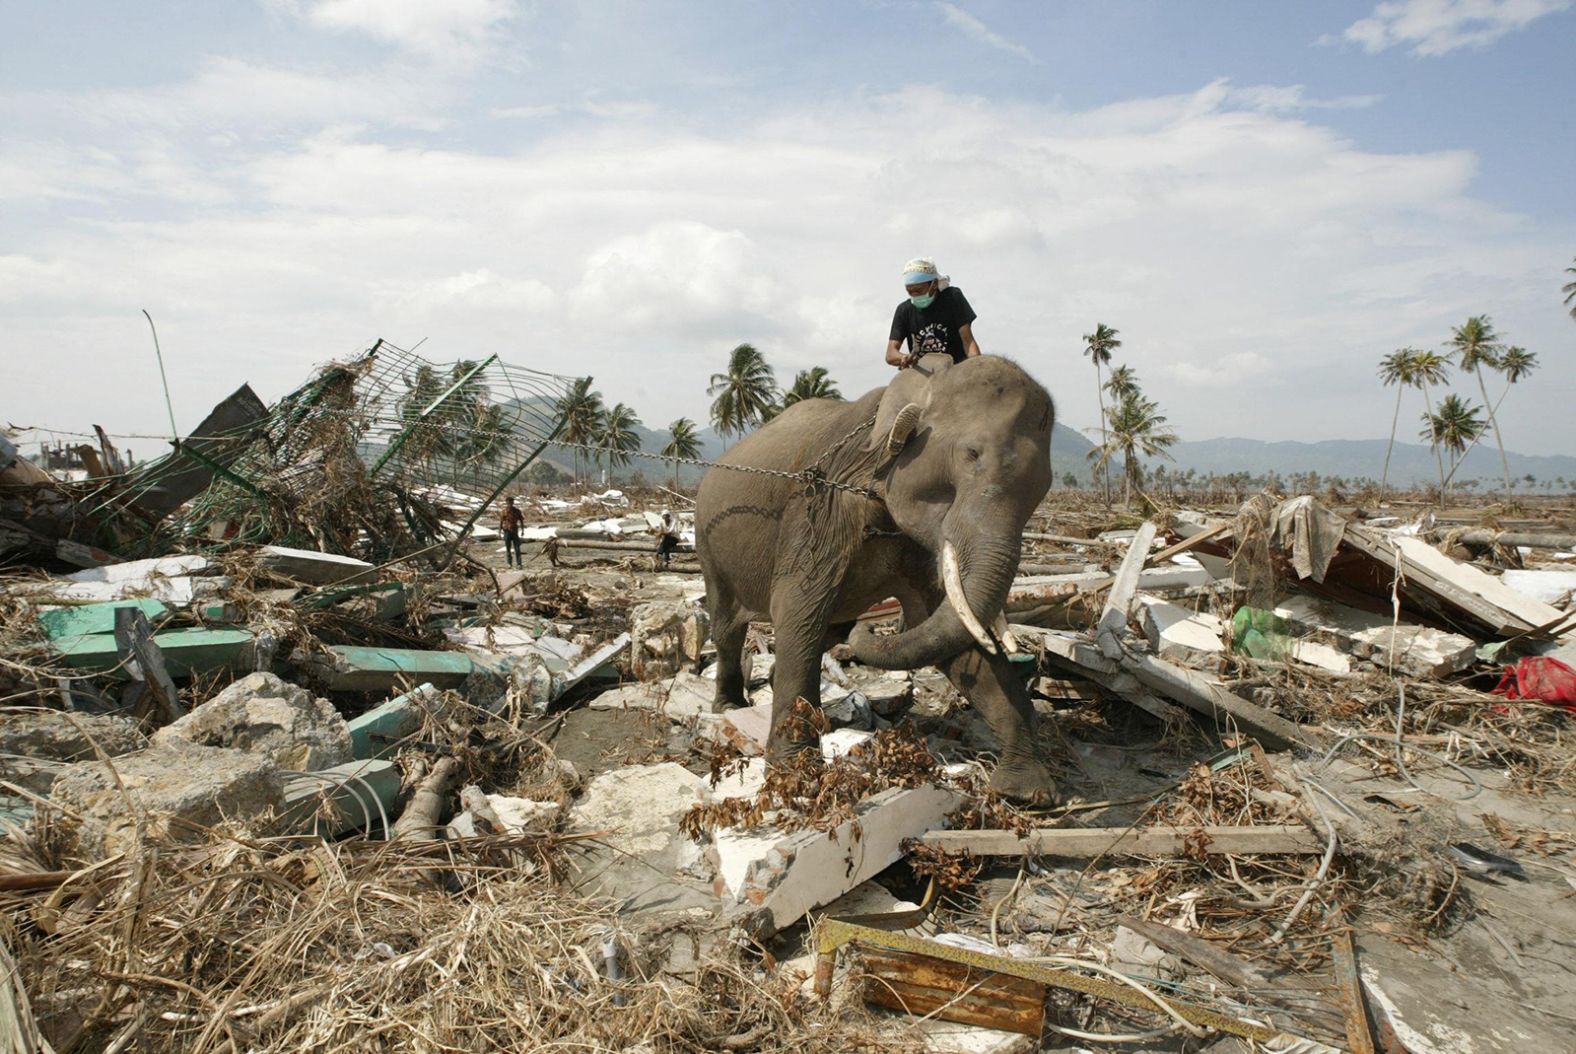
point(330, 802)
point(786, 876)
point(179, 793)
point(840, 741)
point(143, 572)
point(263, 714)
point(682, 697)
point(503, 814)
point(1418, 651)
point(641, 859)
point(36, 745)
point(314, 568)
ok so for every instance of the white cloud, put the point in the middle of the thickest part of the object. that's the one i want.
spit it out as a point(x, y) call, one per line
point(981, 32)
point(1438, 27)
point(1292, 98)
point(1256, 262)
point(442, 29)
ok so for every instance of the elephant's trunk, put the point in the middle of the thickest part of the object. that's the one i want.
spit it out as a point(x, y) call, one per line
point(976, 575)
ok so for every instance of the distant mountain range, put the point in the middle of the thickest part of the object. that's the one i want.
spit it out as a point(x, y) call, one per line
point(1411, 463)
point(1351, 459)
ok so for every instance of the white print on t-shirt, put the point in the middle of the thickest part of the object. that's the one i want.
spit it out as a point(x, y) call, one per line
point(932, 338)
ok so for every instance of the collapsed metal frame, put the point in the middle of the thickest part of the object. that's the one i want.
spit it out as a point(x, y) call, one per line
point(449, 435)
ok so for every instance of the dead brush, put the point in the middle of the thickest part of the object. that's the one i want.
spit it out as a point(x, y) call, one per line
point(806, 793)
point(274, 947)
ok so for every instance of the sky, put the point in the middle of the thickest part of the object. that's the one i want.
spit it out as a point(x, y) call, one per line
point(1262, 197)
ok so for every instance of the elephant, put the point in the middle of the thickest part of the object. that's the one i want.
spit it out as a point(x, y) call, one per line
point(939, 472)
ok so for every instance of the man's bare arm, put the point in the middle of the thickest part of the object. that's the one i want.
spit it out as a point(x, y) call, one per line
point(894, 354)
point(971, 347)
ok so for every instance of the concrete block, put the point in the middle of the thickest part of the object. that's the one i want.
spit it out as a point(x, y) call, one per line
point(1178, 632)
point(840, 741)
point(666, 637)
point(35, 746)
point(180, 792)
point(262, 714)
point(787, 876)
point(748, 727)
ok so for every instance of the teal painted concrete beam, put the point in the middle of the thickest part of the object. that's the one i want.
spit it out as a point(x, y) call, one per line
point(344, 798)
point(186, 651)
point(79, 620)
point(377, 732)
point(356, 668)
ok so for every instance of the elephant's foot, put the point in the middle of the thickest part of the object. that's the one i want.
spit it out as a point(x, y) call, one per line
point(1025, 780)
point(797, 734)
point(725, 700)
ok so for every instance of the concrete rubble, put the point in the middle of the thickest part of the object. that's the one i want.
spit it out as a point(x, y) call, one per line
point(1262, 721)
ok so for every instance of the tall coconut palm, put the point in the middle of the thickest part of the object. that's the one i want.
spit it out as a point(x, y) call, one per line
point(1122, 382)
point(1453, 428)
point(1429, 368)
point(1477, 345)
point(1098, 346)
point(683, 441)
point(1136, 427)
point(811, 384)
point(744, 394)
point(582, 411)
point(1569, 289)
point(617, 439)
point(1516, 365)
point(1395, 368)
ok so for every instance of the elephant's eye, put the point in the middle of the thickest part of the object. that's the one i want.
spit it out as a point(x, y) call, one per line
point(972, 453)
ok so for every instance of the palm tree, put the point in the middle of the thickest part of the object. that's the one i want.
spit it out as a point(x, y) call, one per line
point(811, 384)
point(1098, 346)
point(1477, 345)
point(1428, 369)
point(617, 439)
point(1454, 427)
point(1395, 368)
point(1136, 428)
point(1569, 289)
point(683, 441)
point(1517, 365)
point(1122, 382)
point(582, 412)
point(744, 393)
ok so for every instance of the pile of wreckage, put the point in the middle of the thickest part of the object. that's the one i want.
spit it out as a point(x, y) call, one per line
point(376, 792)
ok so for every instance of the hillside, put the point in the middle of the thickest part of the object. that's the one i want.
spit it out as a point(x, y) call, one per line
point(1412, 463)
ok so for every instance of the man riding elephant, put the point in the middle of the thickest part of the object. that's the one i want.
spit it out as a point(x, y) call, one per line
point(919, 491)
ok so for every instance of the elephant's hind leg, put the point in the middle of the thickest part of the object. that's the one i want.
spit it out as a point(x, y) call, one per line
point(729, 628)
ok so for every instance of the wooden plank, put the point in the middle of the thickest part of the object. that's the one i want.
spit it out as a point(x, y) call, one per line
point(1420, 577)
point(1188, 543)
point(1087, 842)
point(922, 985)
point(1212, 699)
point(1113, 619)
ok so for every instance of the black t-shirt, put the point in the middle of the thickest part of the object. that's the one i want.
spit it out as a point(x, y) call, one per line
point(934, 328)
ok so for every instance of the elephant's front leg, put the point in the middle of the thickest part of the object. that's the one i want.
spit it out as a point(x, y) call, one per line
point(998, 692)
point(799, 622)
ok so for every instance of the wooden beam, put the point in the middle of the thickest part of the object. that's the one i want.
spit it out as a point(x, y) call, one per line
point(1113, 620)
point(1086, 842)
point(1187, 543)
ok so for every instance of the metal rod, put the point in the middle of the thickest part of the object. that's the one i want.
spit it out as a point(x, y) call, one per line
point(175, 434)
point(410, 426)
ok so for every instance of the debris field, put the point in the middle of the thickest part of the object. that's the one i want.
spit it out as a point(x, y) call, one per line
point(292, 761)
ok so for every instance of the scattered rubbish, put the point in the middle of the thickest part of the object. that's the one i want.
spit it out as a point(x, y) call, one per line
point(1540, 677)
point(1482, 862)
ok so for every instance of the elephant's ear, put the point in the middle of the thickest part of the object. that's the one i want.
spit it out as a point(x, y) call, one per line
point(904, 404)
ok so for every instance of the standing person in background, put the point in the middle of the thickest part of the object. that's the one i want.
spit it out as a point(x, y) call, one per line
point(510, 522)
point(935, 317)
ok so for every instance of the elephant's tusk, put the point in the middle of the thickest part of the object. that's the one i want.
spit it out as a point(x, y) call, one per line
point(902, 427)
point(1003, 634)
point(953, 580)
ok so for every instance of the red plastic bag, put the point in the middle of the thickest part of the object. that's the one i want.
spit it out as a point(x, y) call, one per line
point(1542, 678)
